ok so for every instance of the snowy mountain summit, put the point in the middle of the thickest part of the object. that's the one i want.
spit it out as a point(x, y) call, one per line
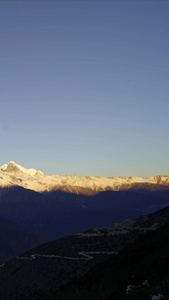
point(13, 174)
point(12, 167)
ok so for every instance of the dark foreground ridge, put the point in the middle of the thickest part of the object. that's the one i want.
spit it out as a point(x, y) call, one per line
point(140, 271)
point(47, 267)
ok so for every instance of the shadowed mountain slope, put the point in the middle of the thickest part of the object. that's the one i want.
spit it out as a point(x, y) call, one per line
point(139, 271)
point(36, 272)
point(15, 240)
point(57, 214)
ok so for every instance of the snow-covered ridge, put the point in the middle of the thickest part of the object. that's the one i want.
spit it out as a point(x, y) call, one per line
point(13, 174)
point(12, 167)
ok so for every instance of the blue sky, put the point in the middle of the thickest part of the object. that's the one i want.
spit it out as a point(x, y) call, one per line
point(84, 86)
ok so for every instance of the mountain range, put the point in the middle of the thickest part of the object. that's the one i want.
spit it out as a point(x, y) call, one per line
point(52, 213)
point(78, 223)
point(13, 174)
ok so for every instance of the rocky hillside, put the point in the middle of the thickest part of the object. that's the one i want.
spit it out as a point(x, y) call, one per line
point(140, 271)
point(33, 274)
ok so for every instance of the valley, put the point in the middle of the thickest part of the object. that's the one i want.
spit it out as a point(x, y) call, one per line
point(52, 233)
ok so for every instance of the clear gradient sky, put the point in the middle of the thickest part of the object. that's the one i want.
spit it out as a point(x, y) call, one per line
point(84, 86)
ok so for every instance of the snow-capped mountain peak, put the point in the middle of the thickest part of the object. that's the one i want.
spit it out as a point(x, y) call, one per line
point(13, 174)
point(12, 167)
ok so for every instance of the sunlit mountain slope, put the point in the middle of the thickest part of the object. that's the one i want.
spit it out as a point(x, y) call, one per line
point(14, 174)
